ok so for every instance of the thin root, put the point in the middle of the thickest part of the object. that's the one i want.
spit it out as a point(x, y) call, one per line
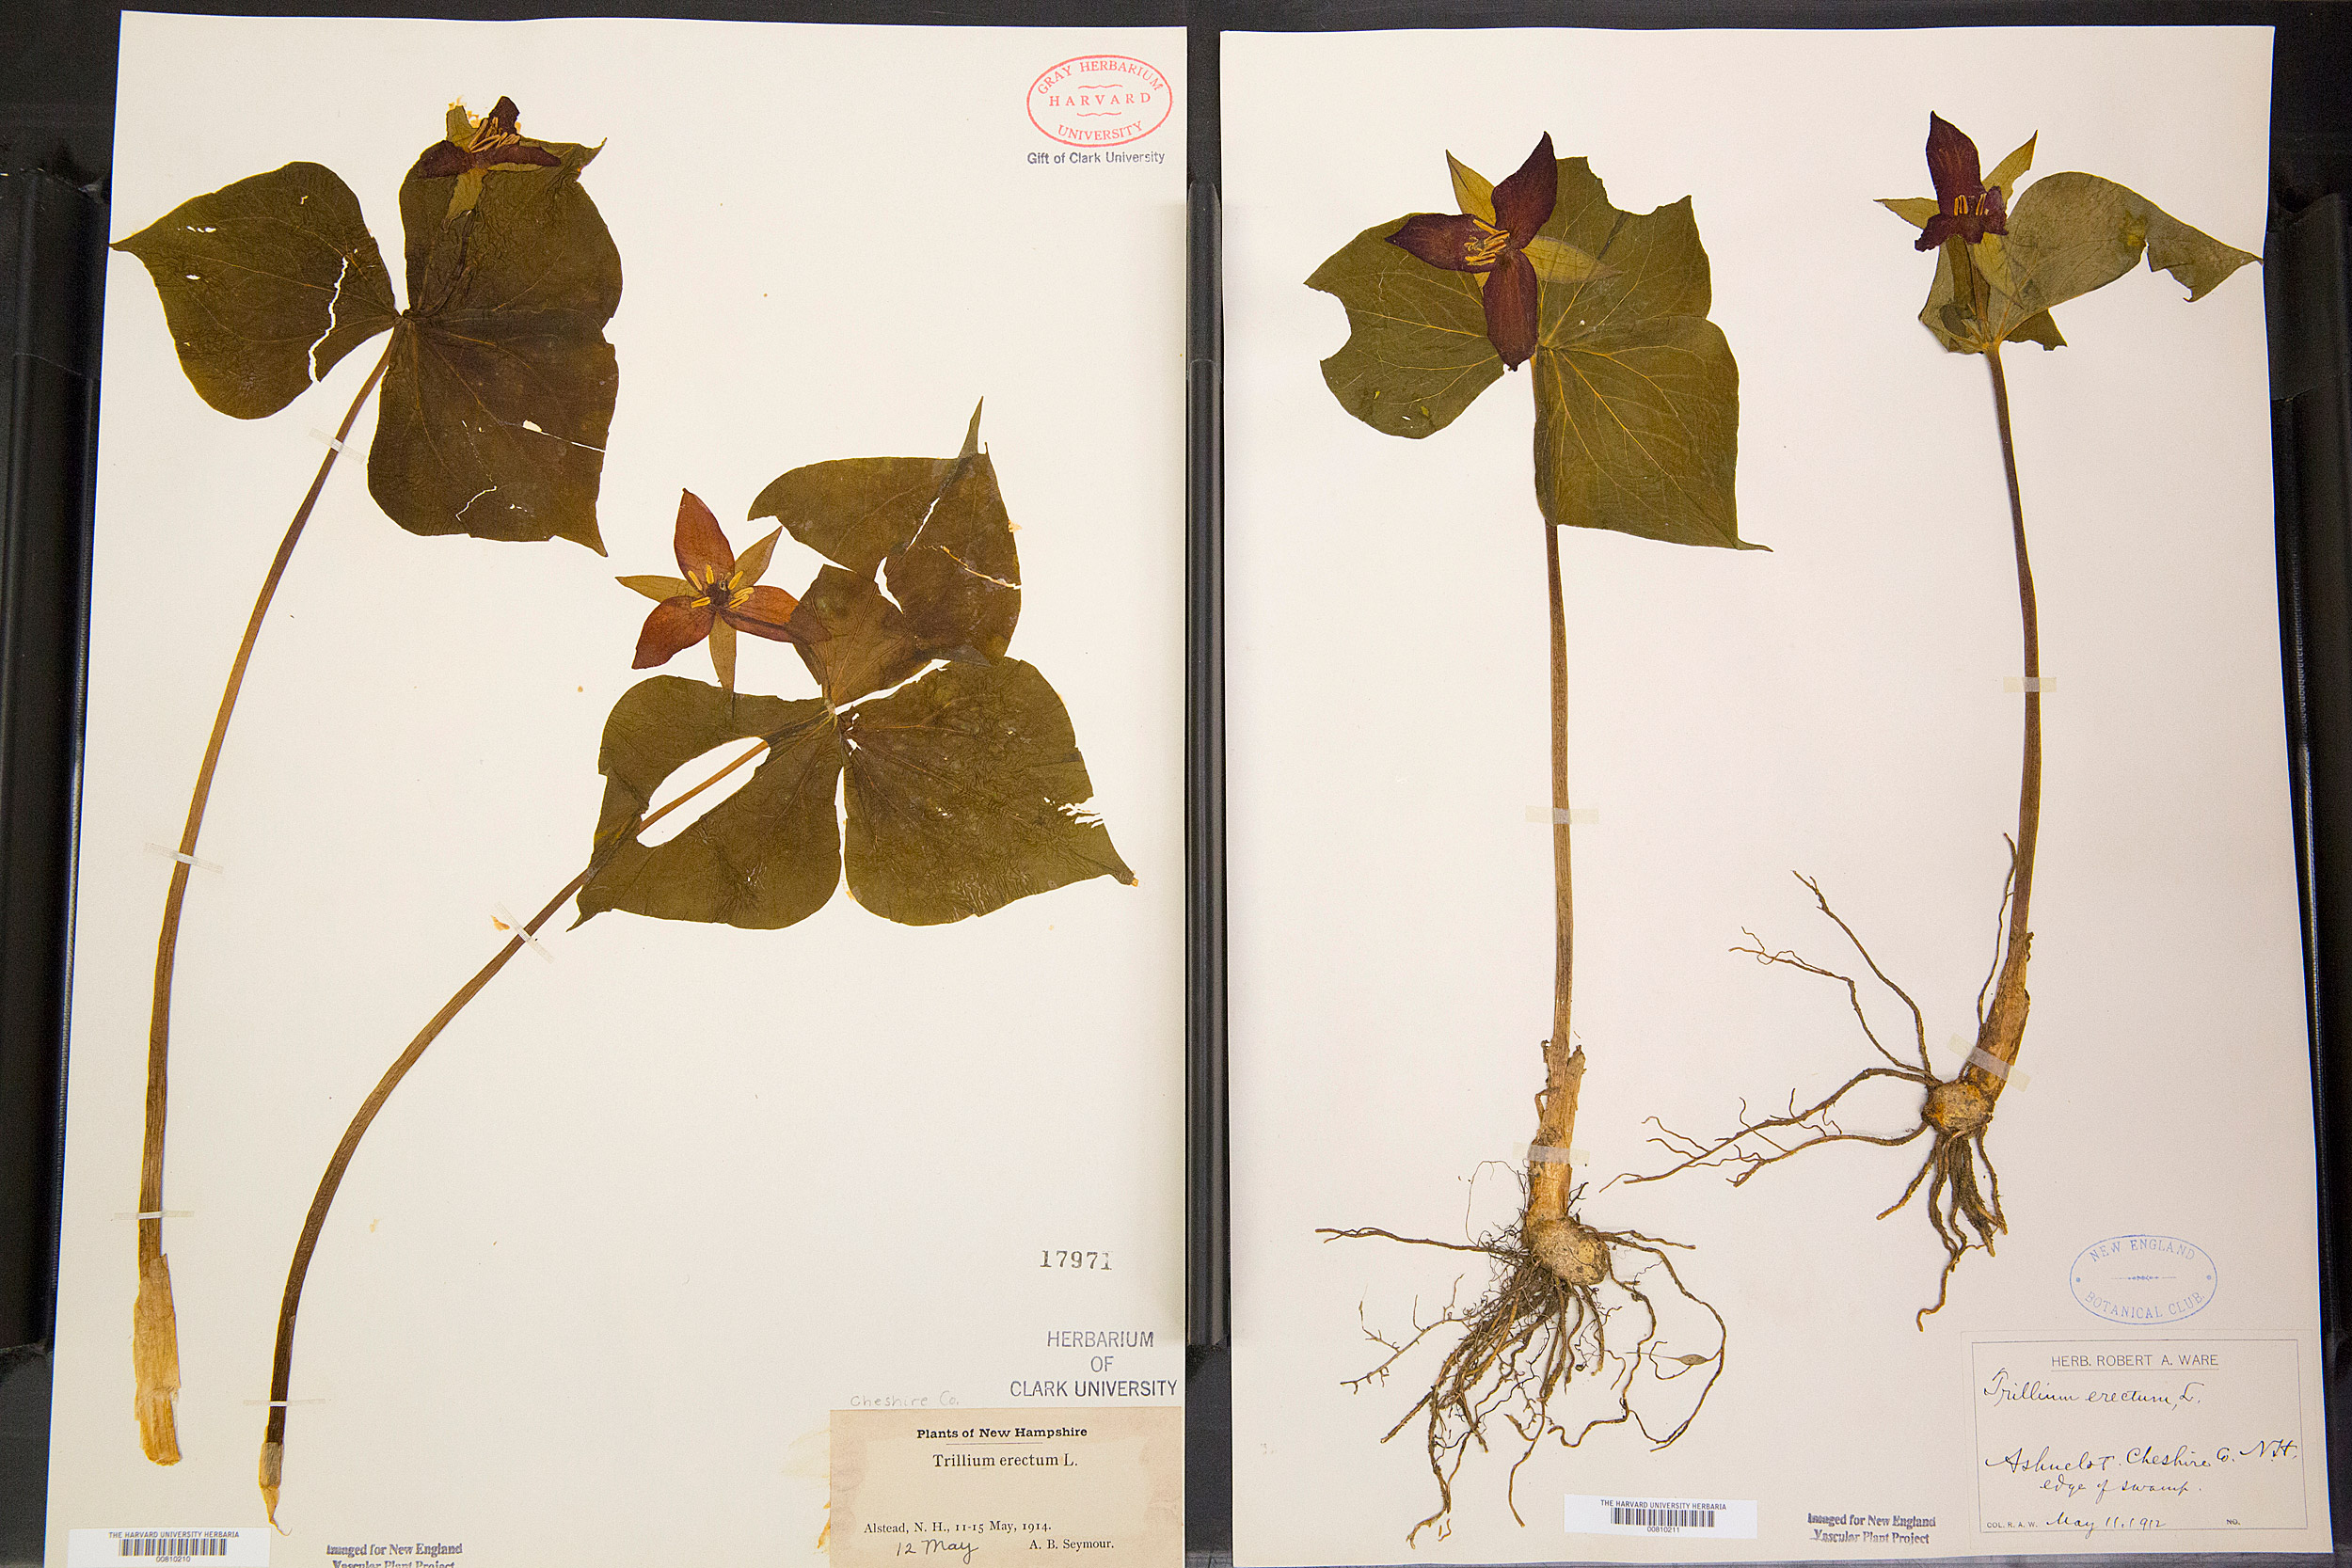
point(1527, 1338)
point(1964, 1211)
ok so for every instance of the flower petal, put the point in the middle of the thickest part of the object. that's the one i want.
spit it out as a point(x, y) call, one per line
point(658, 588)
point(1472, 191)
point(766, 613)
point(723, 654)
point(2005, 173)
point(442, 160)
point(673, 625)
point(1940, 228)
point(1510, 300)
point(1952, 163)
point(1913, 210)
point(702, 551)
point(1523, 202)
point(753, 564)
point(1439, 239)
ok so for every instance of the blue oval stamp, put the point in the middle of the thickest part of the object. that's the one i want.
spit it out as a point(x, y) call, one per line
point(2142, 1279)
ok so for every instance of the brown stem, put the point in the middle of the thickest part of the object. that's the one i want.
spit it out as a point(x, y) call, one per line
point(1563, 1063)
point(282, 1368)
point(2004, 1027)
point(154, 1328)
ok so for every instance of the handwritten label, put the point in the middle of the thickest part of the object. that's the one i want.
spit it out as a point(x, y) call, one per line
point(2105, 1436)
point(1000, 1488)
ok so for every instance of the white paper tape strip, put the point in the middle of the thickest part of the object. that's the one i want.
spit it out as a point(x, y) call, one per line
point(2029, 683)
point(1552, 816)
point(504, 919)
point(327, 437)
point(1551, 1154)
point(157, 1214)
point(170, 853)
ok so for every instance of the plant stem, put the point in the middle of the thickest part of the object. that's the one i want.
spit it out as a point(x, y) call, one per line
point(154, 1332)
point(2004, 1026)
point(281, 1369)
point(1563, 1063)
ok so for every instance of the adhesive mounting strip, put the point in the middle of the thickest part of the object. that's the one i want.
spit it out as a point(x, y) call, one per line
point(504, 919)
point(156, 1215)
point(2029, 683)
point(1998, 1068)
point(1993, 1065)
point(170, 853)
point(327, 437)
point(1580, 816)
point(1552, 1154)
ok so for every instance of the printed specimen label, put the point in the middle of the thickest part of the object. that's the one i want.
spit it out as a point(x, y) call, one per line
point(992, 1488)
point(2104, 1436)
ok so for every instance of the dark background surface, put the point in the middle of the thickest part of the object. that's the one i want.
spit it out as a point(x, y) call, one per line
point(56, 113)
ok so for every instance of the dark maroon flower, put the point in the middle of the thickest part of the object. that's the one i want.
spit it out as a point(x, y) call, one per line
point(1496, 247)
point(1965, 204)
point(491, 142)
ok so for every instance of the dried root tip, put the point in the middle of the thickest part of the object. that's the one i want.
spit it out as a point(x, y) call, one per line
point(1576, 1253)
point(155, 1361)
point(1958, 1109)
point(273, 1471)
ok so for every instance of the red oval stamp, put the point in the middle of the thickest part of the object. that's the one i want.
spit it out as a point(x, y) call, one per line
point(1100, 101)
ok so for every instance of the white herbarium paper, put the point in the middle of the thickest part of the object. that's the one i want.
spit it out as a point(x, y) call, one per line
point(1847, 706)
point(643, 1216)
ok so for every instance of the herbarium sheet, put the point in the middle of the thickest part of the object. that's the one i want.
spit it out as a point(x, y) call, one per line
point(628, 986)
point(1766, 997)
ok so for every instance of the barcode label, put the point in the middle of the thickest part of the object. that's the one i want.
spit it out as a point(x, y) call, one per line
point(174, 1545)
point(1724, 1520)
point(213, 1548)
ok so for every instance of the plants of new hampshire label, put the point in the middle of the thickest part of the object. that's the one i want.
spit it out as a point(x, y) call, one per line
point(1001, 1488)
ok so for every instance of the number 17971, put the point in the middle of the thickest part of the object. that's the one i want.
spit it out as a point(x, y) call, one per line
point(1048, 1258)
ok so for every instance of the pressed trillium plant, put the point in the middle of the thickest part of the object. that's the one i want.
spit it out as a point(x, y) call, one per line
point(498, 387)
point(2001, 266)
point(1636, 401)
point(936, 775)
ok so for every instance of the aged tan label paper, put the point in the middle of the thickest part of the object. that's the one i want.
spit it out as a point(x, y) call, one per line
point(2100, 1437)
point(992, 1488)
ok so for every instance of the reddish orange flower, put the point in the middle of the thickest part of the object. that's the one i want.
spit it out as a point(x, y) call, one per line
point(716, 598)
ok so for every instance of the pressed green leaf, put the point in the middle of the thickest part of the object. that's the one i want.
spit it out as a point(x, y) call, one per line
point(2069, 234)
point(767, 856)
point(501, 388)
point(266, 284)
point(1637, 433)
point(1416, 352)
point(965, 792)
point(958, 579)
point(866, 647)
point(2072, 234)
point(855, 511)
point(1637, 395)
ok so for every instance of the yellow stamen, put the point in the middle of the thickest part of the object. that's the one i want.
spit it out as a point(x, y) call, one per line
point(1491, 242)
